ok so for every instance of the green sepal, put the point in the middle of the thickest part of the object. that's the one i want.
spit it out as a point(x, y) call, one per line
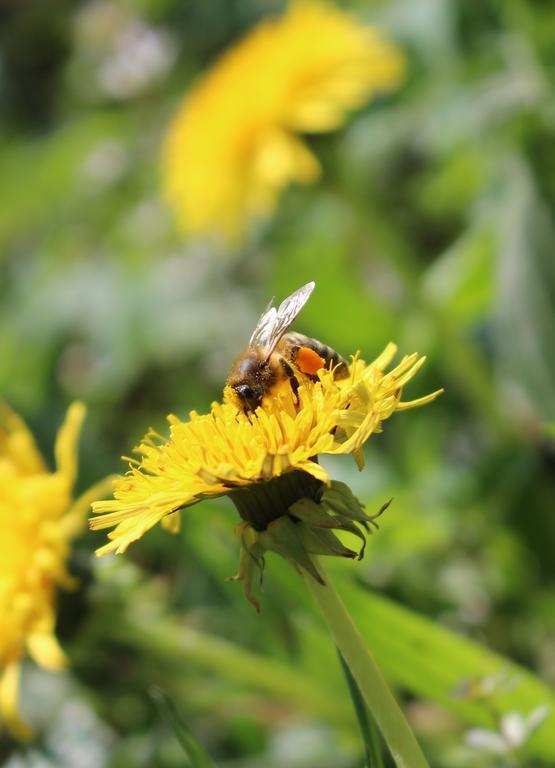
point(345, 504)
point(320, 516)
point(251, 561)
point(305, 526)
point(322, 541)
point(284, 537)
point(312, 513)
point(347, 525)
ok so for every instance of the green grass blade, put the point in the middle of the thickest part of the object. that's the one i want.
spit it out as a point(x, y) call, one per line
point(368, 728)
point(197, 757)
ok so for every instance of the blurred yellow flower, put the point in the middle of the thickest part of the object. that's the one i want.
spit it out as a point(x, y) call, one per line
point(233, 145)
point(245, 457)
point(37, 522)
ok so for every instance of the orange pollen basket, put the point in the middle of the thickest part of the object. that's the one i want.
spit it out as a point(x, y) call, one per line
point(308, 361)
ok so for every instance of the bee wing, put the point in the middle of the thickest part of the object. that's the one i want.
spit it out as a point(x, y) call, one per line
point(274, 322)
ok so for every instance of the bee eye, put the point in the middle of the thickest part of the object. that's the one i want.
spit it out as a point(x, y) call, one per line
point(250, 395)
point(246, 392)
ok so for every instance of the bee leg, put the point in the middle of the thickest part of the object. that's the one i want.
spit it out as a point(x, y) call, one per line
point(292, 378)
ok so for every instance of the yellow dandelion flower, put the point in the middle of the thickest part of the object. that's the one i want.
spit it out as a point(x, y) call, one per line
point(234, 144)
point(37, 523)
point(266, 463)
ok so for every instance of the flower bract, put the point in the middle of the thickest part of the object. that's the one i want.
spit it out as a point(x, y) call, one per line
point(234, 144)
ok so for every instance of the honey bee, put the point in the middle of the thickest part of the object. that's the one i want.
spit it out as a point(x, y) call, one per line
point(275, 358)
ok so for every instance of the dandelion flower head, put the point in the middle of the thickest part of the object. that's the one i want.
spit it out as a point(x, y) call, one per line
point(37, 523)
point(245, 456)
point(234, 144)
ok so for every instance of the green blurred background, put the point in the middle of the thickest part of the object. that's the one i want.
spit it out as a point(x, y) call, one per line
point(432, 226)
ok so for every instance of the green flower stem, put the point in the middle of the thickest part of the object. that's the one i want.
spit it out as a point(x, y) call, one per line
point(390, 719)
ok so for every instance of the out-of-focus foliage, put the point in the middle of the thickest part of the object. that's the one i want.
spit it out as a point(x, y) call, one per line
point(432, 225)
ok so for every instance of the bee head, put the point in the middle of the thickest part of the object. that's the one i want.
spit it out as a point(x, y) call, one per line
point(250, 395)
